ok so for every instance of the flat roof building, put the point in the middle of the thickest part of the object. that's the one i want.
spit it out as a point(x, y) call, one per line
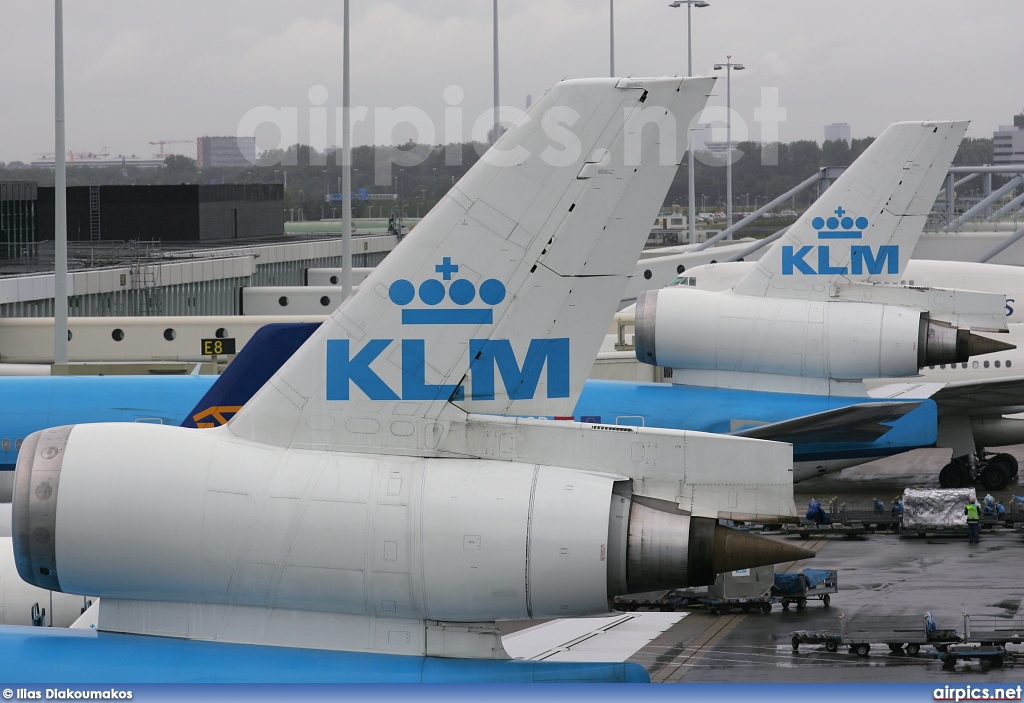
point(181, 213)
point(225, 151)
point(838, 132)
point(1008, 142)
point(18, 219)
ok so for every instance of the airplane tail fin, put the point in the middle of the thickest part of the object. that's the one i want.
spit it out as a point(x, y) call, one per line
point(865, 226)
point(267, 350)
point(498, 300)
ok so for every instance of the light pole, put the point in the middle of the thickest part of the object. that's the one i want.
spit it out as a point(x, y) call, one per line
point(346, 164)
point(60, 246)
point(611, 37)
point(691, 188)
point(729, 67)
point(497, 122)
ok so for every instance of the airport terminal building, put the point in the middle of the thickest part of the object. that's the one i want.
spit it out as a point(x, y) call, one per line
point(180, 213)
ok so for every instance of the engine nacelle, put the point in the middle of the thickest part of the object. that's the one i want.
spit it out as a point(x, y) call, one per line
point(685, 328)
point(197, 516)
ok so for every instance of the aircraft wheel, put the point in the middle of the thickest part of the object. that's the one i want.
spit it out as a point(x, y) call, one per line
point(1009, 461)
point(953, 475)
point(995, 476)
point(913, 648)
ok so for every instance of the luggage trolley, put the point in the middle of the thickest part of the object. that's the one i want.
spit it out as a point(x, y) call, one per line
point(900, 633)
point(985, 639)
point(797, 588)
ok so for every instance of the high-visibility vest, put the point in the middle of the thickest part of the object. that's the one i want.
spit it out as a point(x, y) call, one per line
point(972, 511)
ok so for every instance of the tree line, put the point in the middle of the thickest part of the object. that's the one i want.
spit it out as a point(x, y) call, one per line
point(759, 173)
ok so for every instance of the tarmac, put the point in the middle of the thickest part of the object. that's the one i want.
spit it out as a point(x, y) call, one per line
point(880, 574)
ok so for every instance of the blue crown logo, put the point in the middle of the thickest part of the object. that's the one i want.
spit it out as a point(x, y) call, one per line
point(841, 220)
point(432, 292)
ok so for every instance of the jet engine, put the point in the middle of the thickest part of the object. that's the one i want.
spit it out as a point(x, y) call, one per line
point(199, 516)
point(722, 331)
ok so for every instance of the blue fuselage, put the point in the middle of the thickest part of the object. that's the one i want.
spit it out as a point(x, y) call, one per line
point(723, 410)
point(35, 403)
point(31, 403)
point(44, 655)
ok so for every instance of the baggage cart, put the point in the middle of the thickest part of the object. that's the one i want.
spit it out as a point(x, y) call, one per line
point(797, 588)
point(907, 633)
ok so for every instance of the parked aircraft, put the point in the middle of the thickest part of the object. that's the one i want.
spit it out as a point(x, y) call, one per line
point(829, 430)
point(366, 516)
point(783, 350)
point(978, 400)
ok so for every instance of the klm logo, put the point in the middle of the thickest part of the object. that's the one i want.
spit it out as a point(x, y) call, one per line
point(863, 259)
point(422, 309)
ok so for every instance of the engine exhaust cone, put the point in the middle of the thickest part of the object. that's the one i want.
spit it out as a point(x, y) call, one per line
point(977, 345)
point(668, 548)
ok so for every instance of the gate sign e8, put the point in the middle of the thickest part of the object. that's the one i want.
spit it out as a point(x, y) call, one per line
point(216, 347)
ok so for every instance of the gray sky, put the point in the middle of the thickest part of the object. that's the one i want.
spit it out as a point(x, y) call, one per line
point(144, 71)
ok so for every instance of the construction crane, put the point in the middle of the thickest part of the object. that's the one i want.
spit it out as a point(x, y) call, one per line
point(72, 155)
point(168, 141)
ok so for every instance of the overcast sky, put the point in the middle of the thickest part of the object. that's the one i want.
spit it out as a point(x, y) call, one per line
point(145, 71)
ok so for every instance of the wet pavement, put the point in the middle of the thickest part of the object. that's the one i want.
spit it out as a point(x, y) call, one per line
point(880, 574)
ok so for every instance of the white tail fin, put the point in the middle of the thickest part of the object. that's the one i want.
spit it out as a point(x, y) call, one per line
point(866, 225)
point(499, 299)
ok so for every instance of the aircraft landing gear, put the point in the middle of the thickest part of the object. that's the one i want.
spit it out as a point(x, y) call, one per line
point(993, 471)
point(955, 474)
point(1010, 462)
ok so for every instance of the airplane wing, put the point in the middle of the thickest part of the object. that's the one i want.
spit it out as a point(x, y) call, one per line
point(613, 638)
point(853, 423)
point(998, 396)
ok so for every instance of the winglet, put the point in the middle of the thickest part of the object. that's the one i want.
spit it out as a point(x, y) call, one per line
point(866, 225)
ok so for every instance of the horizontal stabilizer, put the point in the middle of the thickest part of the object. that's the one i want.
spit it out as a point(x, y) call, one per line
point(612, 638)
point(705, 474)
point(854, 423)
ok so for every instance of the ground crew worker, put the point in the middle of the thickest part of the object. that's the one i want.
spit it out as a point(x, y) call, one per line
point(973, 521)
